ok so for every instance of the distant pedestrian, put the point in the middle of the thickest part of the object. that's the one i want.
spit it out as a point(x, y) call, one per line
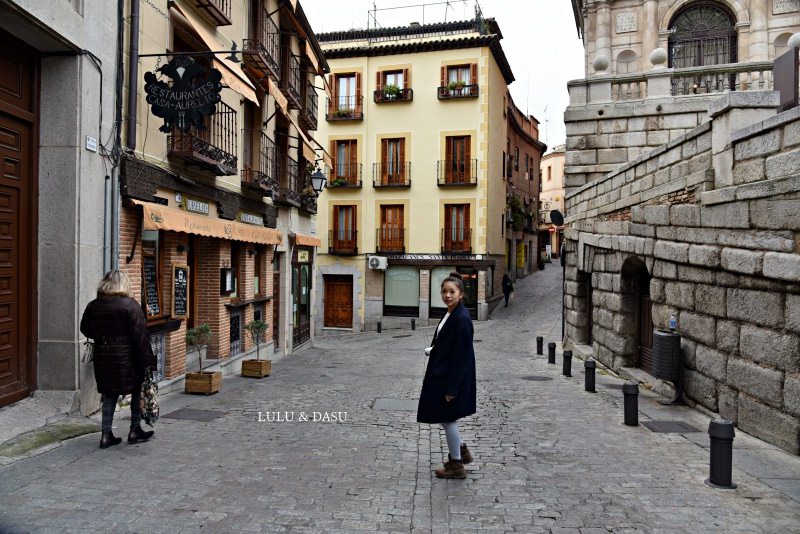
point(122, 351)
point(449, 389)
point(508, 288)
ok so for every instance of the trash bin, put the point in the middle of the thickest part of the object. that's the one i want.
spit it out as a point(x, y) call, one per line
point(667, 364)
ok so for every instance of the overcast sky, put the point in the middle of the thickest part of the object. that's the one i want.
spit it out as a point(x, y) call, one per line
point(539, 39)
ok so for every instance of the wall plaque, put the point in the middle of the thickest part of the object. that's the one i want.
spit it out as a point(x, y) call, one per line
point(785, 6)
point(302, 256)
point(196, 206)
point(180, 291)
point(251, 218)
point(626, 22)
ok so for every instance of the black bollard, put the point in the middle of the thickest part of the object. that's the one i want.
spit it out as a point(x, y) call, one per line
point(413, 324)
point(721, 433)
point(631, 392)
point(589, 366)
point(539, 343)
point(379, 327)
point(551, 352)
point(566, 369)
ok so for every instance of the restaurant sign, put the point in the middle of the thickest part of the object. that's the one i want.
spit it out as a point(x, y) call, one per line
point(193, 93)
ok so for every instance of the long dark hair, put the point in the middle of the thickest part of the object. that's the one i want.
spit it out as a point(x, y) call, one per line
point(456, 279)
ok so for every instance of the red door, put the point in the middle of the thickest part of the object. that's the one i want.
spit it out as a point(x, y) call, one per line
point(339, 301)
point(17, 155)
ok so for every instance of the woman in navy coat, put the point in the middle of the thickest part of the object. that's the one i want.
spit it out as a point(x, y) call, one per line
point(449, 389)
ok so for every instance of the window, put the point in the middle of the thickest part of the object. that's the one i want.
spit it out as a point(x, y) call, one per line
point(395, 77)
point(458, 81)
point(401, 291)
point(345, 101)
point(343, 238)
point(345, 161)
point(549, 173)
point(504, 164)
point(393, 86)
point(457, 233)
point(516, 158)
point(703, 33)
point(458, 163)
point(346, 92)
point(393, 154)
point(391, 235)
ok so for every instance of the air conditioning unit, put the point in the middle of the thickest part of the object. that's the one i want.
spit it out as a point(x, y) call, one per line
point(377, 262)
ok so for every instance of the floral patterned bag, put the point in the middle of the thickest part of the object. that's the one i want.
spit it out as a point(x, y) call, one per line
point(149, 398)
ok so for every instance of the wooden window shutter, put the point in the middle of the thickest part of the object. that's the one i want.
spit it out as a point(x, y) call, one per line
point(384, 159)
point(467, 149)
point(406, 78)
point(473, 73)
point(358, 90)
point(466, 217)
point(443, 77)
point(332, 86)
point(401, 157)
point(352, 172)
point(378, 81)
point(335, 224)
point(448, 151)
point(333, 156)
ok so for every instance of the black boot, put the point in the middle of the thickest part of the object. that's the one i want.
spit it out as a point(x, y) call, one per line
point(108, 440)
point(137, 434)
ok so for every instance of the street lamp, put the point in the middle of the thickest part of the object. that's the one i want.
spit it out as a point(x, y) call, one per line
point(318, 181)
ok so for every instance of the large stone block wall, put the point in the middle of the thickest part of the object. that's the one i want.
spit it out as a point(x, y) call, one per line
point(718, 231)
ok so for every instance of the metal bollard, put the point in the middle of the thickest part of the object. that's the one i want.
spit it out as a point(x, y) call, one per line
point(551, 352)
point(379, 327)
point(566, 368)
point(539, 343)
point(721, 433)
point(589, 367)
point(631, 392)
point(413, 324)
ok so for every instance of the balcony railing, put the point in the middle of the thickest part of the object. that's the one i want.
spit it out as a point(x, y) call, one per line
point(292, 79)
point(457, 172)
point(448, 92)
point(216, 11)
point(390, 239)
point(263, 52)
point(345, 108)
point(343, 242)
point(344, 175)
point(213, 149)
point(393, 95)
point(720, 78)
point(265, 175)
point(392, 174)
point(308, 115)
point(308, 203)
point(457, 240)
point(289, 190)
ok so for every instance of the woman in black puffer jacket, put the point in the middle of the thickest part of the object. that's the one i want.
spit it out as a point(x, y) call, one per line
point(122, 351)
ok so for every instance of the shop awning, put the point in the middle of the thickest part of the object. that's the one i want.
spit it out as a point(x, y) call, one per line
point(232, 74)
point(158, 217)
point(307, 240)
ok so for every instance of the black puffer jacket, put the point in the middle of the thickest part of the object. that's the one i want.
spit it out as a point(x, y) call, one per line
point(121, 344)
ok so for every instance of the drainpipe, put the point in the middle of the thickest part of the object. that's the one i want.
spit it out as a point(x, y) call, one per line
point(133, 74)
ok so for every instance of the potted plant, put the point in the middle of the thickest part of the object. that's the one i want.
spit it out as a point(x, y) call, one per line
point(341, 113)
point(391, 91)
point(456, 85)
point(205, 382)
point(338, 182)
point(257, 368)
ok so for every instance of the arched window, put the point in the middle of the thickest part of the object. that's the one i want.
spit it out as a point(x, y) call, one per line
point(781, 44)
point(627, 62)
point(702, 33)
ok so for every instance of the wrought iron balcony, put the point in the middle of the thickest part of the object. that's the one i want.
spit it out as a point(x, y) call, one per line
point(263, 52)
point(345, 108)
point(392, 174)
point(385, 95)
point(450, 91)
point(289, 190)
point(390, 239)
point(457, 240)
point(292, 79)
point(308, 203)
point(218, 12)
point(344, 175)
point(265, 174)
point(308, 115)
point(213, 149)
point(457, 172)
point(343, 242)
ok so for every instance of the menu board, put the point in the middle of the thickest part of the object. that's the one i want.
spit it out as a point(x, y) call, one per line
point(152, 296)
point(180, 291)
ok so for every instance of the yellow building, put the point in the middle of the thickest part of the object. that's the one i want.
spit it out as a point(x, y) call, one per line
point(551, 198)
point(225, 202)
point(415, 125)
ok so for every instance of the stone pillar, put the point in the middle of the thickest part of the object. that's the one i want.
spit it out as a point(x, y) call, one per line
point(424, 294)
point(758, 49)
point(603, 37)
point(650, 35)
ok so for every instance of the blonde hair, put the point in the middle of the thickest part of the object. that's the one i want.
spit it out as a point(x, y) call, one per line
point(114, 284)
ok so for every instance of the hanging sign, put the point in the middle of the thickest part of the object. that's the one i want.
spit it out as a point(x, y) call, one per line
point(193, 94)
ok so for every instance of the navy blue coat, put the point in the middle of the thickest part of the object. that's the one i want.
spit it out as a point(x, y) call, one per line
point(451, 371)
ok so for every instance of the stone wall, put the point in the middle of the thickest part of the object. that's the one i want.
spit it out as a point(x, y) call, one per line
point(712, 219)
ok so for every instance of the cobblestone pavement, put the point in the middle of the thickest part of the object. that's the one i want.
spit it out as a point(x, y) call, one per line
point(549, 456)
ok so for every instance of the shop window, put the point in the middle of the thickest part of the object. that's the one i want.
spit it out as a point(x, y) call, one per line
point(401, 291)
point(437, 306)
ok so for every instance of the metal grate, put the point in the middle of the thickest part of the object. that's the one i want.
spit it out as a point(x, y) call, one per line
point(676, 427)
point(236, 333)
point(537, 378)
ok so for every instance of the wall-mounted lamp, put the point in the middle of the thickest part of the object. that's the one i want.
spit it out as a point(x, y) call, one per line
point(318, 180)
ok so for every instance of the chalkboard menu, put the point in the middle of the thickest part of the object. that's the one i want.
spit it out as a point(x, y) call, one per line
point(180, 291)
point(152, 297)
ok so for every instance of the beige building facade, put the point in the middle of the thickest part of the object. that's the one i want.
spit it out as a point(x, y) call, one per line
point(682, 202)
point(551, 198)
point(415, 125)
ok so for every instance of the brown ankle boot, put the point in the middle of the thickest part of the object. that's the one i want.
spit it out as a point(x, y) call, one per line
point(107, 440)
point(137, 434)
point(466, 456)
point(452, 469)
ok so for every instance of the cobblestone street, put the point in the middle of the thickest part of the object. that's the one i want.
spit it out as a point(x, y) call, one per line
point(549, 456)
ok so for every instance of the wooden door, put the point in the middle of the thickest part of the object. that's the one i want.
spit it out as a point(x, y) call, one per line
point(17, 222)
point(644, 324)
point(339, 301)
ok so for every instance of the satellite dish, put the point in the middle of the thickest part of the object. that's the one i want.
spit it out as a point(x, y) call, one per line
point(556, 218)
